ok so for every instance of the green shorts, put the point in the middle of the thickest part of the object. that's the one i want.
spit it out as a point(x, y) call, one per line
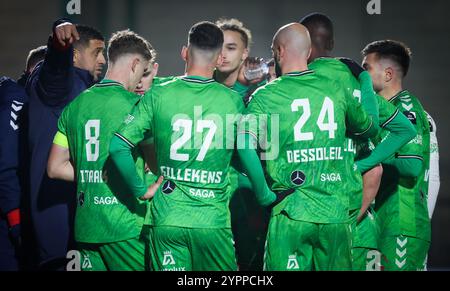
point(305, 246)
point(365, 254)
point(403, 253)
point(192, 249)
point(127, 255)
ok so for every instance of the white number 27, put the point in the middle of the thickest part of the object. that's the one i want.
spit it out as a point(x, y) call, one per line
point(186, 126)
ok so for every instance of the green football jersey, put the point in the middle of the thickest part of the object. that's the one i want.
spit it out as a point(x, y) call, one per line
point(301, 123)
point(333, 68)
point(401, 204)
point(387, 112)
point(106, 211)
point(192, 121)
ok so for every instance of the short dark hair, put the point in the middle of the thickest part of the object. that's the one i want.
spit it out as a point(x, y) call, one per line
point(234, 24)
point(35, 56)
point(393, 50)
point(87, 33)
point(315, 21)
point(128, 42)
point(206, 35)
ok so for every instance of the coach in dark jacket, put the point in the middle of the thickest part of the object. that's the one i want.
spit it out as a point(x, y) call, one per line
point(73, 63)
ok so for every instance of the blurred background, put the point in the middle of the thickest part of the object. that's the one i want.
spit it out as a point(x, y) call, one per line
point(423, 25)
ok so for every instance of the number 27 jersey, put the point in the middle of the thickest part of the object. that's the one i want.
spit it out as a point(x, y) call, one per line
point(192, 120)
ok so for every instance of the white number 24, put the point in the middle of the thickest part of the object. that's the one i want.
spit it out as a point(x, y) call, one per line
point(327, 110)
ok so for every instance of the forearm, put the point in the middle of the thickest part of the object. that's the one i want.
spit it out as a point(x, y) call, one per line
point(9, 180)
point(9, 190)
point(59, 165)
point(252, 168)
point(407, 167)
point(120, 153)
point(64, 171)
point(371, 184)
point(56, 72)
point(401, 131)
point(368, 96)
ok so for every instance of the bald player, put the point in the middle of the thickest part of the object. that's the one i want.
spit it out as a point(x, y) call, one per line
point(359, 84)
point(306, 117)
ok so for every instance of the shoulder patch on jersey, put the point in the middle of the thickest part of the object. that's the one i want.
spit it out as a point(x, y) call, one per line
point(407, 107)
point(405, 98)
point(411, 116)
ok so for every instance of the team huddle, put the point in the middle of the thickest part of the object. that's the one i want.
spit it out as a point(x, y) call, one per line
point(338, 153)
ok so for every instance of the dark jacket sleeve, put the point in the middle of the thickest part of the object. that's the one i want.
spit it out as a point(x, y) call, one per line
point(55, 76)
point(11, 107)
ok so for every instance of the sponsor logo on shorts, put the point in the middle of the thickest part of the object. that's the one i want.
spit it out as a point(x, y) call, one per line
point(292, 263)
point(86, 262)
point(168, 258)
point(169, 262)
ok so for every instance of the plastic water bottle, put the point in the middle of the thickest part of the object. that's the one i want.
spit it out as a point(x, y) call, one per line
point(257, 72)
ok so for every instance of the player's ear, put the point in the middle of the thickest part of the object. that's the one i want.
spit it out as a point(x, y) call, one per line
point(309, 53)
point(184, 52)
point(154, 70)
point(330, 45)
point(280, 52)
point(245, 54)
point(76, 57)
point(219, 60)
point(134, 64)
point(388, 74)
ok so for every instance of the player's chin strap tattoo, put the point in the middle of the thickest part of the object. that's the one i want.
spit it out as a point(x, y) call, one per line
point(280, 196)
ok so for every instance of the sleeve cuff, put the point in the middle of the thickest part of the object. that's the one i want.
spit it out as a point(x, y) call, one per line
point(61, 140)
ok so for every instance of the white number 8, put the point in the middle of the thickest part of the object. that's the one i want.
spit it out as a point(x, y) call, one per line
point(92, 152)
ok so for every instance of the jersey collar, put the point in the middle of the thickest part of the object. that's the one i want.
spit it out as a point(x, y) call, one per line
point(197, 79)
point(109, 83)
point(298, 74)
point(397, 95)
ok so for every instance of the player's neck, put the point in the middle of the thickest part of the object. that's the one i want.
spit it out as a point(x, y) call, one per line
point(117, 76)
point(294, 67)
point(390, 91)
point(228, 79)
point(205, 72)
point(319, 54)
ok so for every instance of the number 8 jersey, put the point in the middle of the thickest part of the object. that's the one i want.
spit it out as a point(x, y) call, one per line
point(106, 211)
point(192, 120)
